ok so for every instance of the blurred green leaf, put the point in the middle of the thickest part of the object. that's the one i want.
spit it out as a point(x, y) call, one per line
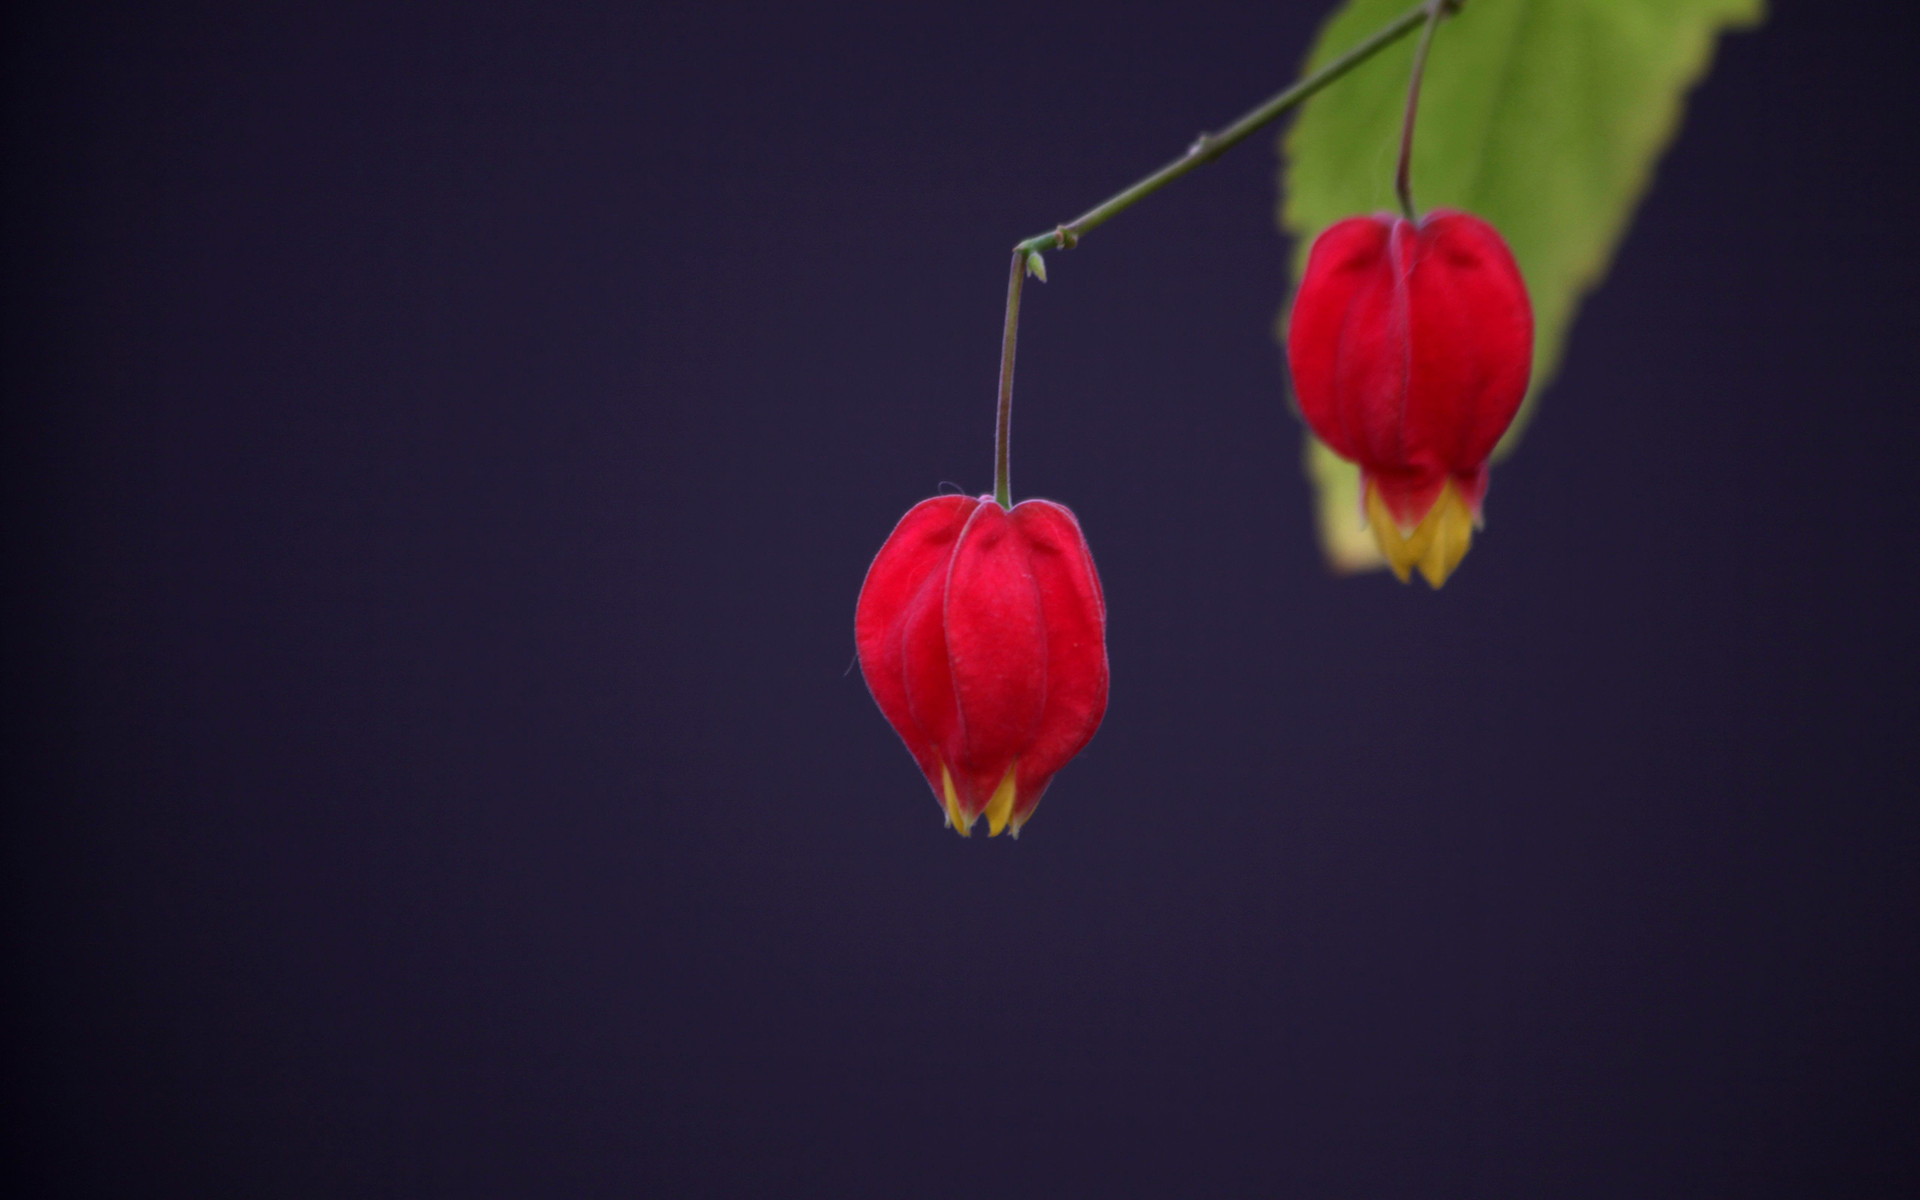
point(1545, 117)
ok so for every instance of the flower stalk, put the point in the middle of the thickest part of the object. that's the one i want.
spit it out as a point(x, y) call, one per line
point(1003, 424)
point(1403, 175)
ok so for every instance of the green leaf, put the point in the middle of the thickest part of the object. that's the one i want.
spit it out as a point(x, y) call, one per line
point(1544, 117)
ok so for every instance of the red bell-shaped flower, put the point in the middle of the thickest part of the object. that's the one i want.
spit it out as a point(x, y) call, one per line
point(982, 635)
point(1410, 347)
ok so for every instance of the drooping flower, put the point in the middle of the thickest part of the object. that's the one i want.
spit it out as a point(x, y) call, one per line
point(982, 636)
point(1410, 346)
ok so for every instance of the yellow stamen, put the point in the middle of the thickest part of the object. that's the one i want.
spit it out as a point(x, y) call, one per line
point(953, 804)
point(1001, 806)
point(1436, 545)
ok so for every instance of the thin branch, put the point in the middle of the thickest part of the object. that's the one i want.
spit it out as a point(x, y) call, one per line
point(1209, 146)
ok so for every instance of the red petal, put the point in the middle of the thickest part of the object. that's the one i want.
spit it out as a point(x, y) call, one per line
point(1472, 343)
point(1075, 616)
point(1343, 341)
point(928, 675)
point(997, 648)
point(909, 568)
point(996, 644)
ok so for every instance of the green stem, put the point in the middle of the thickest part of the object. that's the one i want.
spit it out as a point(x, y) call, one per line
point(1209, 146)
point(1403, 177)
point(1003, 426)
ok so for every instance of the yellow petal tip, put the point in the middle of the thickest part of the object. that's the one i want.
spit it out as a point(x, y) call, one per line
point(951, 801)
point(1435, 546)
point(1000, 808)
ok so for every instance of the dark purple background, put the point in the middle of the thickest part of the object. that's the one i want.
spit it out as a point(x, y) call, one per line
point(444, 446)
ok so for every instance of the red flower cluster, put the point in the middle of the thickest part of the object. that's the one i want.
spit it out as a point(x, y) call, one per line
point(1411, 347)
point(982, 635)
